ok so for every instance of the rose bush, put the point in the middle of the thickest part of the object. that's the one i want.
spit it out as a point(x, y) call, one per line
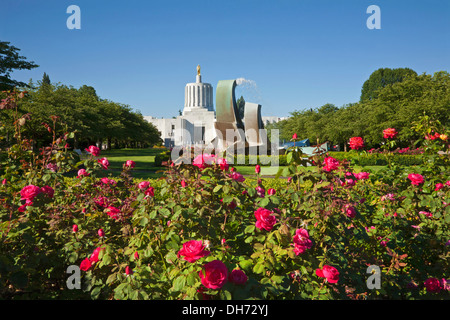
point(206, 232)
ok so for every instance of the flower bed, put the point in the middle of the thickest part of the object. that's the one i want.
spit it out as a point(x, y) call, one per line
point(204, 232)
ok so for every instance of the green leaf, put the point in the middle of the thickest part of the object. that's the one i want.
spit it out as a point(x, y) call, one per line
point(179, 283)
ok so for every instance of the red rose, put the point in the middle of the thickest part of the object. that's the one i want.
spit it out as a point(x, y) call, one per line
point(328, 272)
point(128, 271)
point(271, 191)
point(94, 256)
point(257, 168)
point(85, 264)
point(264, 219)
point(101, 233)
point(237, 176)
point(416, 179)
point(113, 212)
point(362, 175)
point(193, 250)
point(222, 162)
point(214, 274)
point(29, 192)
point(237, 276)
point(294, 136)
point(330, 164)
point(350, 211)
point(433, 285)
point(356, 143)
point(150, 192)
point(183, 184)
point(74, 228)
point(93, 150)
point(48, 191)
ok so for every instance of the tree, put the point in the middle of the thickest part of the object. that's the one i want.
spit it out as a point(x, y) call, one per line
point(46, 79)
point(240, 103)
point(10, 60)
point(381, 78)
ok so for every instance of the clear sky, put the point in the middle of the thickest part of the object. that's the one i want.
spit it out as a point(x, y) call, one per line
point(299, 53)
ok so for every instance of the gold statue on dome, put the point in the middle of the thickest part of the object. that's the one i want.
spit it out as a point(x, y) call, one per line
point(198, 70)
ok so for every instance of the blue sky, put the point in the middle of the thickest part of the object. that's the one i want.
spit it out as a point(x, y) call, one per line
point(300, 54)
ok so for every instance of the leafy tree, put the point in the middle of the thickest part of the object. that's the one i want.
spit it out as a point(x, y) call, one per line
point(382, 78)
point(10, 60)
point(240, 103)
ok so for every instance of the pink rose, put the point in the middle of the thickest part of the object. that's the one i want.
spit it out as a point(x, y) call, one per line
point(257, 168)
point(362, 175)
point(271, 191)
point(143, 185)
point(104, 163)
point(294, 136)
point(74, 228)
point(183, 184)
point(214, 274)
point(237, 176)
point(265, 219)
point(101, 233)
point(203, 160)
point(82, 173)
point(330, 164)
point(93, 150)
point(130, 164)
point(260, 191)
point(193, 250)
point(301, 241)
point(416, 179)
point(29, 192)
point(237, 276)
point(328, 272)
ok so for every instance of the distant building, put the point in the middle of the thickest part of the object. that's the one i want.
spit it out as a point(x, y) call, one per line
point(196, 124)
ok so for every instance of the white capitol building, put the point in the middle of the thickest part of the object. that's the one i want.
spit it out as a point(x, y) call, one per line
point(196, 124)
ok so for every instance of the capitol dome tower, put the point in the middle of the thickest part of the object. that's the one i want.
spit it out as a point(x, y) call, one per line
point(198, 95)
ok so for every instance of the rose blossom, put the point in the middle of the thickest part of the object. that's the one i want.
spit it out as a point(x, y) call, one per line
point(271, 191)
point(416, 179)
point(237, 276)
point(356, 143)
point(104, 163)
point(257, 168)
point(74, 228)
point(264, 219)
point(350, 211)
point(143, 185)
point(150, 192)
point(328, 272)
point(95, 151)
point(433, 285)
point(439, 186)
point(193, 250)
point(183, 184)
point(29, 192)
point(203, 160)
point(94, 256)
point(101, 233)
point(214, 274)
point(223, 164)
point(85, 264)
point(82, 173)
point(130, 164)
point(389, 133)
point(362, 175)
point(113, 212)
point(294, 136)
point(48, 191)
point(330, 164)
point(237, 176)
point(301, 241)
point(128, 271)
